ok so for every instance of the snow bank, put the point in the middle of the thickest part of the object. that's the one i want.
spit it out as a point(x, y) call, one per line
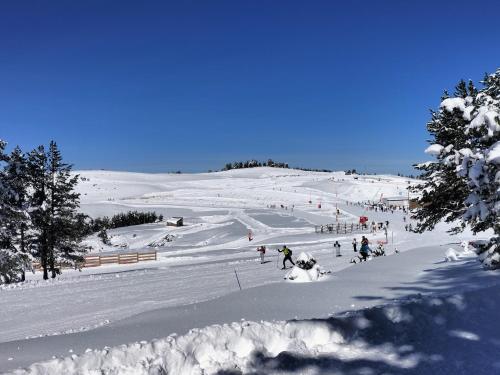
point(421, 335)
point(201, 351)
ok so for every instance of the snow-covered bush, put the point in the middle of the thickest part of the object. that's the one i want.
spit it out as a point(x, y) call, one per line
point(305, 261)
point(305, 270)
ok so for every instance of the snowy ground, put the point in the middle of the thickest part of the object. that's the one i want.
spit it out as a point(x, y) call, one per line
point(193, 283)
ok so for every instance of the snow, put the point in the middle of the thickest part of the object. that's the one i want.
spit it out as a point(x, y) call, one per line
point(451, 255)
point(422, 335)
point(191, 289)
point(434, 149)
point(451, 104)
point(494, 154)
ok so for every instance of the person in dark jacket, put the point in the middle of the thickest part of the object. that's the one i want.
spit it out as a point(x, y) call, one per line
point(288, 256)
point(365, 249)
point(336, 246)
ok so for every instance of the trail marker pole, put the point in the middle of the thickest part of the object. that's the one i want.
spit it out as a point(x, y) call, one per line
point(238, 280)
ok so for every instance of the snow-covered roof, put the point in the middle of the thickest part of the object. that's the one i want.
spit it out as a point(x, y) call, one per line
point(174, 220)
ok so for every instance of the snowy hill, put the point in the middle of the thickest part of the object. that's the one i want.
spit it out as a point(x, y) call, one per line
point(193, 284)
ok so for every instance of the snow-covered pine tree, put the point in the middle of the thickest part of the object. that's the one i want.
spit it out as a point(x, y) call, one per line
point(443, 192)
point(18, 220)
point(65, 232)
point(9, 262)
point(39, 213)
point(480, 165)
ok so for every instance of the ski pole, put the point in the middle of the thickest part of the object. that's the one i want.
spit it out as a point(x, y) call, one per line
point(238, 280)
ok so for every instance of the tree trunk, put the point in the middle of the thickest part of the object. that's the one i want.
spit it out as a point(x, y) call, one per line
point(44, 256)
point(23, 273)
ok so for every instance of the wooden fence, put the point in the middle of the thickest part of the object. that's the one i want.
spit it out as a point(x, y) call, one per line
point(340, 228)
point(99, 260)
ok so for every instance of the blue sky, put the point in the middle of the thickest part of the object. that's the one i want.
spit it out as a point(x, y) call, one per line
point(168, 85)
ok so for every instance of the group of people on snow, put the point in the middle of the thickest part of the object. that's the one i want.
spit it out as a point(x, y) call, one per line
point(285, 250)
point(364, 251)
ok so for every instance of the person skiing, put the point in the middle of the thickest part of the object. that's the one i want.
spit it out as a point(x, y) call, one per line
point(365, 249)
point(262, 251)
point(355, 245)
point(336, 246)
point(288, 256)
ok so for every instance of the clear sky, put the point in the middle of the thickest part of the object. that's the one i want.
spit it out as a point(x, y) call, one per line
point(165, 85)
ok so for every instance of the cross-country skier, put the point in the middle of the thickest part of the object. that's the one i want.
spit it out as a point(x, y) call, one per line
point(288, 256)
point(262, 251)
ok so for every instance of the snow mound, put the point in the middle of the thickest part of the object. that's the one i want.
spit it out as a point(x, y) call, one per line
point(305, 270)
point(451, 255)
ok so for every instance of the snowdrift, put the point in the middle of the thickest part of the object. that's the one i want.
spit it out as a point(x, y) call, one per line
point(453, 334)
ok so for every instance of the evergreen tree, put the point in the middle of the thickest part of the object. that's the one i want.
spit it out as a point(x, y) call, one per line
point(463, 183)
point(480, 165)
point(65, 234)
point(443, 192)
point(103, 235)
point(16, 179)
point(40, 216)
point(10, 260)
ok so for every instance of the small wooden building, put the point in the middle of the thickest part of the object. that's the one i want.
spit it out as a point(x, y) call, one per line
point(175, 222)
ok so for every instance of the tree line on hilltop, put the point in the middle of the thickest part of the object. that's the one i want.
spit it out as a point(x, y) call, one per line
point(269, 163)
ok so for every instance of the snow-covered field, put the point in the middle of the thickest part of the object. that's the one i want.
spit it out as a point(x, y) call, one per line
point(193, 285)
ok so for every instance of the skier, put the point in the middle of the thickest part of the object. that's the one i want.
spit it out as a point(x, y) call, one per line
point(410, 228)
point(262, 251)
point(355, 245)
point(406, 227)
point(288, 256)
point(336, 246)
point(365, 249)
